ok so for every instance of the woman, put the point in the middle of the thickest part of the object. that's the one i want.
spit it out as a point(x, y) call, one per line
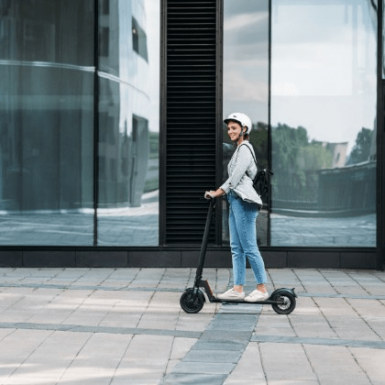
point(244, 205)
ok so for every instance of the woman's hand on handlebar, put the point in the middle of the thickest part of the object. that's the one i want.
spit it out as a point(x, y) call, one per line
point(214, 194)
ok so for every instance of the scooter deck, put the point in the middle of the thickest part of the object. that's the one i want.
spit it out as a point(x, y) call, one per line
point(266, 302)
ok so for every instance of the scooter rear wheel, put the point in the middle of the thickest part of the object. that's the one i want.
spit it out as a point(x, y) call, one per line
point(189, 304)
point(286, 303)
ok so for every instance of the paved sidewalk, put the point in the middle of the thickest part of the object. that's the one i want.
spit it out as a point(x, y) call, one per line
point(125, 326)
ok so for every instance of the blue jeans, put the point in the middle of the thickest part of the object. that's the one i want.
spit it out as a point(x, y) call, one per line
point(243, 239)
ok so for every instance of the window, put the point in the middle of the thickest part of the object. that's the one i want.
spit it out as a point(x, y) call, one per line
point(129, 95)
point(139, 40)
point(104, 42)
point(323, 117)
point(46, 123)
point(246, 82)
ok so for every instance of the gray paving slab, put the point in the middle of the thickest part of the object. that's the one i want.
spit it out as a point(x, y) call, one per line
point(145, 360)
point(199, 323)
point(319, 341)
point(371, 364)
point(337, 366)
point(56, 352)
point(220, 345)
point(194, 379)
point(181, 346)
point(204, 367)
point(249, 369)
point(212, 355)
point(73, 328)
point(233, 323)
point(16, 347)
point(284, 362)
point(225, 336)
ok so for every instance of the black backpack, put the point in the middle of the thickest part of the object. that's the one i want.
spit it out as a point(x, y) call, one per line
point(261, 182)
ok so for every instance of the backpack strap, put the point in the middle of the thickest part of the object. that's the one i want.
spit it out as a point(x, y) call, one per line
point(255, 160)
point(266, 170)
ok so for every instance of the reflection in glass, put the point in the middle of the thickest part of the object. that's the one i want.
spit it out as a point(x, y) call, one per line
point(245, 84)
point(129, 123)
point(383, 38)
point(323, 116)
point(46, 122)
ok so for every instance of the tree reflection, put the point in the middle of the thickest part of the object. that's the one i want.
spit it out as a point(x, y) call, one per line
point(318, 178)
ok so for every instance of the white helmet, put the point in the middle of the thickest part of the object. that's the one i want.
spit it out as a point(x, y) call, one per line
point(240, 118)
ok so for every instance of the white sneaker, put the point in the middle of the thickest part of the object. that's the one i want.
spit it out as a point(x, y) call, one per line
point(231, 295)
point(256, 296)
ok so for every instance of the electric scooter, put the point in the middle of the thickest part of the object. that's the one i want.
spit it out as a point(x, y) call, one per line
point(283, 301)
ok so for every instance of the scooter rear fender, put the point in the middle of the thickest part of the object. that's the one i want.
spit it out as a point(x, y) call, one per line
point(283, 291)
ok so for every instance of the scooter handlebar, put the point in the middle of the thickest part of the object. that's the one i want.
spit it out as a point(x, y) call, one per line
point(208, 195)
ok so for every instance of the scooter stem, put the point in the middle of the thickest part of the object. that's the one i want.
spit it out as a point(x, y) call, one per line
point(202, 255)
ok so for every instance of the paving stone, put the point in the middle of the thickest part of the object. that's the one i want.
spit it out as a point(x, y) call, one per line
point(148, 278)
point(149, 349)
point(336, 366)
point(270, 323)
point(194, 322)
point(249, 369)
point(220, 345)
point(286, 363)
point(308, 320)
point(194, 379)
point(181, 346)
point(204, 368)
point(213, 356)
point(344, 320)
point(171, 365)
point(102, 353)
point(372, 312)
point(240, 308)
point(56, 352)
point(222, 335)
point(5, 332)
point(231, 326)
point(16, 347)
point(319, 341)
point(233, 322)
point(372, 363)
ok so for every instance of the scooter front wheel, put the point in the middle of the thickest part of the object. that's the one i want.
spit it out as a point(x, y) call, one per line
point(285, 303)
point(190, 304)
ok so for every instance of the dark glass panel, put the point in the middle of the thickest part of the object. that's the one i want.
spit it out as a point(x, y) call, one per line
point(129, 124)
point(323, 116)
point(245, 84)
point(46, 122)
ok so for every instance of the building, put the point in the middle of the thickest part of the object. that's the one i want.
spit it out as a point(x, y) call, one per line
point(111, 129)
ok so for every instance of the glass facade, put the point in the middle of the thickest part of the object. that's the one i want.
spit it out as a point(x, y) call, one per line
point(246, 84)
point(47, 120)
point(80, 117)
point(323, 123)
point(129, 123)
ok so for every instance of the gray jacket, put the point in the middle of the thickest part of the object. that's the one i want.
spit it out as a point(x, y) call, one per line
point(242, 170)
